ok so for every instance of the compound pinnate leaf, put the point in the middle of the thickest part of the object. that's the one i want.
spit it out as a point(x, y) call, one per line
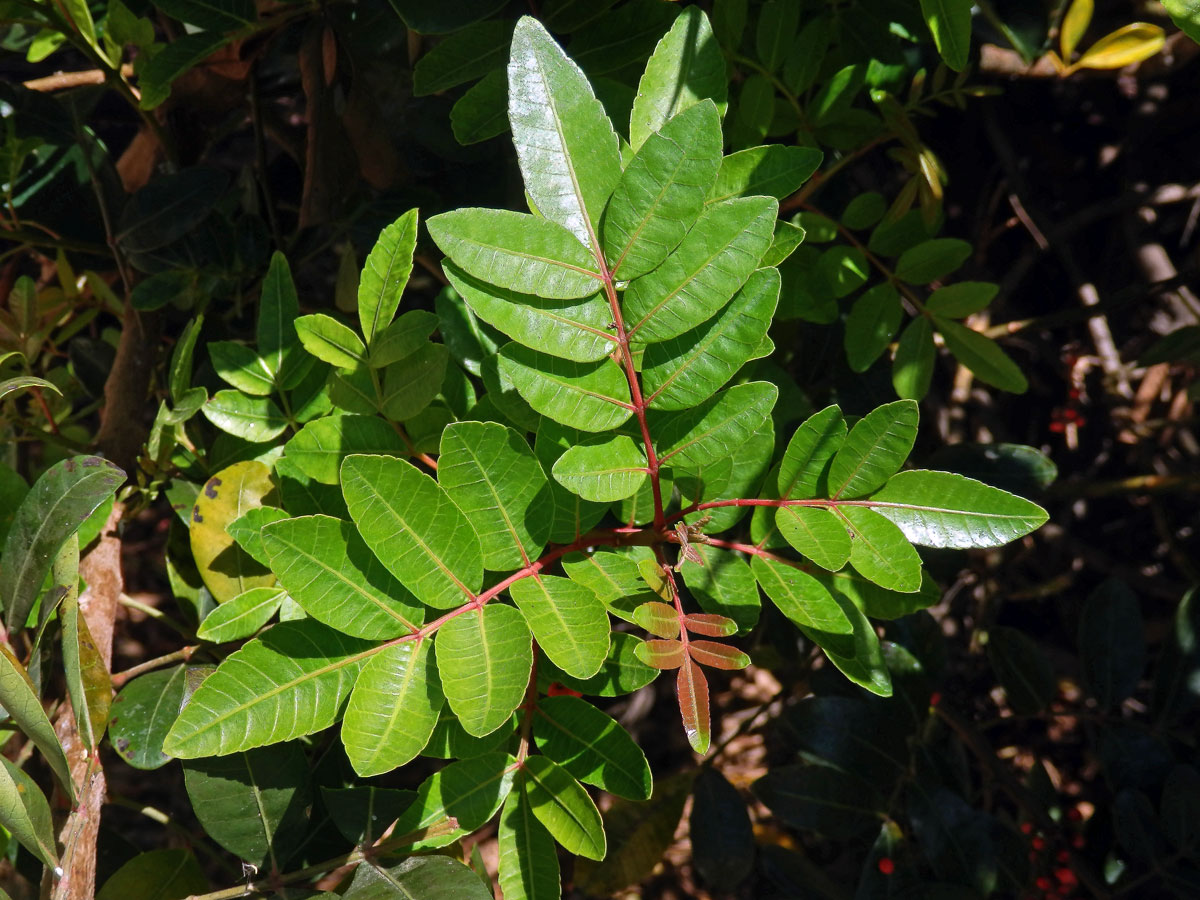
point(662, 191)
point(686, 67)
point(590, 745)
point(393, 708)
point(290, 682)
point(415, 529)
point(587, 396)
point(816, 533)
point(691, 690)
point(567, 619)
point(385, 274)
point(686, 370)
point(334, 577)
point(25, 813)
point(50, 512)
point(566, 146)
point(573, 329)
point(320, 446)
point(562, 805)
point(241, 616)
point(492, 475)
point(874, 450)
point(484, 657)
point(713, 261)
point(603, 471)
point(528, 858)
point(880, 551)
point(329, 340)
point(772, 170)
point(142, 714)
point(517, 251)
point(941, 509)
point(716, 428)
point(470, 790)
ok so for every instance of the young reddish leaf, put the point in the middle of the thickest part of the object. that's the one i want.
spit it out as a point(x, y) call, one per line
point(691, 688)
point(709, 624)
point(657, 618)
point(718, 656)
point(661, 654)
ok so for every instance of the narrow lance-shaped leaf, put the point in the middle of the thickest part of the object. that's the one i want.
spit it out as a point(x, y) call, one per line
point(25, 813)
point(691, 689)
point(528, 859)
point(278, 309)
point(874, 450)
point(567, 619)
point(484, 657)
point(385, 274)
point(20, 700)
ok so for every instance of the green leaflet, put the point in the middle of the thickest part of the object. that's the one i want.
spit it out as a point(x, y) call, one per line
point(327, 339)
point(912, 366)
point(602, 471)
point(686, 370)
point(241, 616)
point(879, 550)
point(875, 448)
point(698, 278)
point(247, 530)
point(941, 509)
point(982, 355)
point(415, 529)
point(716, 428)
point(142, 713)
point(470, 790)
point(403, 337)
point(809, 454)
point(278, 309)
point(573, 516)
point(320, 446)
point(591, 746)
point(173, 873)
point(517, 251)
point(528, 859)
point(568, 621)
point(816, 533)
point(772, 170)
point(563, 807)
point(873, 321)
point(290, 682)
point(19, 698)
point(566, 146)
point(393, 708)
point(328, 570)
point(463, 56)
point(25, 812)
point(241, 367)
point(227, 496)
point(622, 671)
point(950, 23)
point(572, 329)
point(875, 601)
point(686, 67)
point(587, 396)
point(426, 877)
point(255, 419)
point(662, 191)
point(484, 657)
point(385, 274)
point(410, 385)
point(724, 585)
point(613, 577)
point(800, 597)
point(492, 475)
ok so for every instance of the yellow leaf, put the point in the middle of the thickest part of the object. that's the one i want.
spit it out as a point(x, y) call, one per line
point(226, 568)
point(1126, 45)
point(1074, 24)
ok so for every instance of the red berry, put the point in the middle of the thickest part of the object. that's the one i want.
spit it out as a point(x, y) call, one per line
point(886, 866)
point(1057, 427)
point(1038, 843)
point(1065, 876)
point(935, 698)
point(1044, 884)
point(1026, 827)
point(1078, 842)
point(1062, 856)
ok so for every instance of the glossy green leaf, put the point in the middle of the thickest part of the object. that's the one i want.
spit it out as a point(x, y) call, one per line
point(941, 509)
point(874, 450)
point(528, 865)
point(591, 746)
point(982, 356)
point(517, 251)
point(50, 512)
point(821, 799)
point(484, 657)
point(415, 529)
point(716, 428)
point(613, 577)
point(241, 367)
point(329, 340)
point(686, 370)
point(492, 475)
point(462, 56)
point(816, 533)
point(470, 790)
point(691, 690)
point(572, 329)
point(226, 568)
point(873, 321)
point(568, 621)
point(1186, 16)
point(566, 146)
point(686, 68)
point(662, 191)
point(393, 708)
point(278, 309)
point(247, 530)
point(423, 877)
point(787, 238)
point(156, 874)
point(320, 446)
point(959, 300)
point(290, 682)
point(1112, 648)
point(142, 714)
point(912, 368)
point(880, 551)
point(721, 833)
point(254, 803)
point(587, 396)
point(800, 597)
point(410, 385)
point(563, 807)
point(20, 700)
point(385, 274)
point(602, 471)
point(403, 338)
point(950, 23)
point(724, 586)
point(711, 263)
point(810, 453)
point(242, 616)
point(25, 813)
point(254, 419)
point(329, 571)
point(1023, 669)
point(622, 672)
point(772, 170)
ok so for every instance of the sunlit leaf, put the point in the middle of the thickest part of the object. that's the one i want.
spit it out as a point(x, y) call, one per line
point(602, 471)
point(714, 429)
point(1129, 44)
point(226, 568)
point(20, 700)
point(528, 864)
point(691, 690)
point(816, 533)
point(591, 746)
point(484, 657)
point(567, 619)
point(470, 790)
point(563, 807)
point(385, 274)
point(874, 450)
point(587, 396)
point(810, 453)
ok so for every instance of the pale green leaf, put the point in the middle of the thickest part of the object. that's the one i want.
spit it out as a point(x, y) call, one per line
point(528, 865)
point(880, 551)
point(492, 475)
point(568, 621)
point(874, 450)
point(470, 790)
point(587, 396)
point(816, 533)
point(564, 807)
point(402, 338)
point(611, 576)
point(716, 428)
point(809, 454)
point(777, 24)
point(591, 746)
point(241, 616)
point(319, 447)
point(25, 813)
point(393, 708)
point(603, 471)
point(385, 274)
point(329, 340)
point(484, 657)
point(290, 682)
point(255, 419)
point(772, 170)
point(415, 529)
point(566, 146)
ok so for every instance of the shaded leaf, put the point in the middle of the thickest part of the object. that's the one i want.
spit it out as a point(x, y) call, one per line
point(724, 587)
point(423, 877)
point(1023, 670)
point(773, 170)
point(463, 56)
point(319, 447)
point(278, 309)
point(1112, 646)
point(142, 713)
point(587, 396)
point(982, 356)
point(912, 367)
point(385, 275)
point(622, 672)
point(156, 875)
point(470, 790)
point(19, 699)
point(528, 865)
point(820, 799)
point(721, 833)
point(950, 23)
point(25, 813)
point(591, 746)
point(931, 260)
point(873, 321)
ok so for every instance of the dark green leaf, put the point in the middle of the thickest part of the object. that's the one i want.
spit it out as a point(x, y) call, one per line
point(463, 56)
point(419, 878)
point(820, 799)
point(591, 746)
point(1023, 670)
point(773, 170)
point(622, 672)
point(1112, 646)
point(912, 368)
point(156, 874)
point(956, 301)
point(528, 859)
point(142, 714)
point(170, 206)
point(950, 23)
point(982, 356)
point(873, 321)
point(777, 24)
point(24, 812)
point(722, 837)
point(874, 450)
point(809, 454)
point(479, 114)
